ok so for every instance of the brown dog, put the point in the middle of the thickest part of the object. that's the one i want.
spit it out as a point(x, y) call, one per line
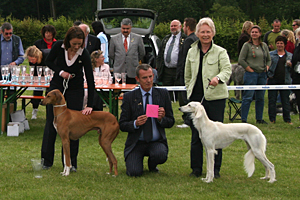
point(72, 124)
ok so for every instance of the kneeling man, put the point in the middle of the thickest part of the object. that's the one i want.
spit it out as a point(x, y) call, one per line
point(146, 135)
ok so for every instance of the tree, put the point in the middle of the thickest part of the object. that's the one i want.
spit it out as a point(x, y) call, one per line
point(230, 12)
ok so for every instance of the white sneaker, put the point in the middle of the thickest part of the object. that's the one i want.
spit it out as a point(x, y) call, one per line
point(182, 126)
point(34, 113)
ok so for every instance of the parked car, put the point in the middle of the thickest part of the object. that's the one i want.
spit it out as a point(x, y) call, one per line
point(143, 24)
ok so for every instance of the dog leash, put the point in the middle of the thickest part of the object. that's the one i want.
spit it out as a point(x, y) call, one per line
point(66, 82)
point(206, 89)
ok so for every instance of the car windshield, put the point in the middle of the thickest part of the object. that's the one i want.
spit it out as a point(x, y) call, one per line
point(137, 22)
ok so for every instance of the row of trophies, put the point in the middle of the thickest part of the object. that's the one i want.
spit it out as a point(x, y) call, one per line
point(11, 74)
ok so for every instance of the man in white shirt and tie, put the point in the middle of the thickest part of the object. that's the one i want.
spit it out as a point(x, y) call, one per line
point(126, 49)
point(168, 55)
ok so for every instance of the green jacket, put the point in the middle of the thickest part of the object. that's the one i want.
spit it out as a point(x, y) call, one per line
point(215, 63)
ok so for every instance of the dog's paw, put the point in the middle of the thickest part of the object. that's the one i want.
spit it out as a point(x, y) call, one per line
point(264, 178)
point(66, 171)
point(206, 180)
point(272, 181)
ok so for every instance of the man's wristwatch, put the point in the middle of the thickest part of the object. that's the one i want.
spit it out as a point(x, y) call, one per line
point(218, 78)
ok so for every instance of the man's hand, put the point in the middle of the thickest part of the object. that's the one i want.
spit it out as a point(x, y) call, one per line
point(141, 120)
point(161, 113)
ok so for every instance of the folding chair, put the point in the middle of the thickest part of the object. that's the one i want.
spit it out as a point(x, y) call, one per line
point(234, 109)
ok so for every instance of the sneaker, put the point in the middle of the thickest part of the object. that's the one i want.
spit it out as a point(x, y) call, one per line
point(290, 123)
point(182, 126)
point(34, 113)
point(261, 122)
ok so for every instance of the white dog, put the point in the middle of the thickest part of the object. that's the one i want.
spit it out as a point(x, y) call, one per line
point(216, 135)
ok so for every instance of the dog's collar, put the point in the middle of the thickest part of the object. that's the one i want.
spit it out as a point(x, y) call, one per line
point(59, 105)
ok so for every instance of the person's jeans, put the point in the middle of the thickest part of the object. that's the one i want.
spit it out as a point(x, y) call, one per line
point(254, 78)
point(285, 101)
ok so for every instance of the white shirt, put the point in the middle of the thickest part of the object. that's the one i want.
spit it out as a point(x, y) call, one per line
point(175, 51)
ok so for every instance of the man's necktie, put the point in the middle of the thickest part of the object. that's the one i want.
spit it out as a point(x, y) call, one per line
point(148, 125)
point(168, 58)
point(125, 45)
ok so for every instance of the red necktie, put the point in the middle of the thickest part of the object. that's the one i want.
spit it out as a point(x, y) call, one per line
point(125, 45)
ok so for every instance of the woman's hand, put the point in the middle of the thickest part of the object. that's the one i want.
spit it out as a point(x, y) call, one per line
point(214, 81)
point(249, 69)
point(66, 75)
point(87, 111)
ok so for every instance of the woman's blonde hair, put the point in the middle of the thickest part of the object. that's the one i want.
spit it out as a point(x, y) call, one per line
point(95, 55)
point(208, 21)
point(246, 26)
point(289, 35)
point(33, 51)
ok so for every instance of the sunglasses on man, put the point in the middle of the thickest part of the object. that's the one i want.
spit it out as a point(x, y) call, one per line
point(10, 33)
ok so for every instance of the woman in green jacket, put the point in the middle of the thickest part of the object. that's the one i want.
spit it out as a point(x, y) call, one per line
point(207, 64)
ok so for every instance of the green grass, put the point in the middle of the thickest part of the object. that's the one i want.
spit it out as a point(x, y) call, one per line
point(173, 181)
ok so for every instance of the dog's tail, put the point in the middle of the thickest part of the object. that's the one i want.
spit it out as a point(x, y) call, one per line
point(249, 162)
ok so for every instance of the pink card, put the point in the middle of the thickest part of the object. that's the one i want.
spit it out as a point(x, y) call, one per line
point(152, 110)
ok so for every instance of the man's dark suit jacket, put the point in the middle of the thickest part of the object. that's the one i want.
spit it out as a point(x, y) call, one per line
point(132, 107)
point(93, 43)
point(182, 56)
point(160, 61)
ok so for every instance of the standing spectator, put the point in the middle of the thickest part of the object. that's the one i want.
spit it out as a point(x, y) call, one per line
point(297, 36)
point(146, 135)
point(12, 51)
point(92, 43)
point(279, 74)
point(245, 36)
point(126, 49)
point(99, 31)
point(296, 71)
point(255, 59)
point(296, 24)
point(290, 46)
point(270, 36)
point(168, 55)
point(206, 64)
point(48, 33)
point(189, 26)
point(67, 58)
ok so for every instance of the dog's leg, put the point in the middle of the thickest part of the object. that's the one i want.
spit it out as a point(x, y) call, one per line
point(105, 141)
point(269, 167)
point(210, 154)
point(67, 158)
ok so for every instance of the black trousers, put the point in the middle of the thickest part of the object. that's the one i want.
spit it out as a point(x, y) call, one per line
point(215, 112)
point(74, 99)
point(169, 79)
point(36, 102)
point(157, 152)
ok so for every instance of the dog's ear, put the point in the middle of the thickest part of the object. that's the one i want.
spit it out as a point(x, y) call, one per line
point(58, 95)
point(198, 110)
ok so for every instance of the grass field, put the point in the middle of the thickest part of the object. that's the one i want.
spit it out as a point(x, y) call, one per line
point(173, 181)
